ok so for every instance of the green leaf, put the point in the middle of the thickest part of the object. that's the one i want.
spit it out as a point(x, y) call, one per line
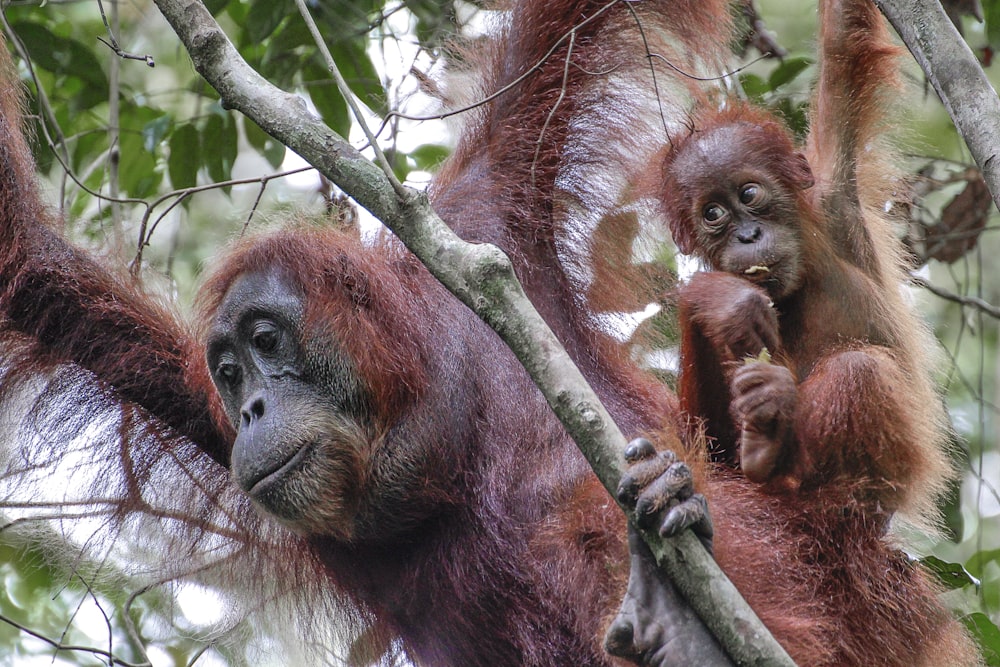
point(399, 161)
point(796, 115)
point(88, 147)
point(154, 131)
point(65, 57)
point(428, 156)
point(787, 71)
point(977, 564)
point(326, 98)
point(359, 72)
point(41, 44)
point(434, 27)
point(339, 24)
point(237, 11)
point(215, 6)
point(281, 67)
point(185, 156)
point(952, 575)
point(219, 140)
point(272, 149)
point(138, 175)
point(264, 17)
point(285, 53)
point(951, 513)
point(137, 168)
point(986, 634)
point(291, 36)
point(754, 86)
point(991, 16)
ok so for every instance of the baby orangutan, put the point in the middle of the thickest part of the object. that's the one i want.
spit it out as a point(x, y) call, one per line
point(800, 365)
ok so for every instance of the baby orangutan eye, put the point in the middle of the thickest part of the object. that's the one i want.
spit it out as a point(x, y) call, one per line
point(714, 215)
point(752, 194)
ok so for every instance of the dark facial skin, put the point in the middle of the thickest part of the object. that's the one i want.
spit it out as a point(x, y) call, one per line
point(299, 445)
point(743, 218)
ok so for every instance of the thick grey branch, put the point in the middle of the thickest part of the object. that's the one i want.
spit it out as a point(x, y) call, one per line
point(956, 75)
point(483, 278)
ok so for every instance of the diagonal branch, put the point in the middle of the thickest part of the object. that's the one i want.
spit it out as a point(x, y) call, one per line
point(956, 76)
point(482, 277)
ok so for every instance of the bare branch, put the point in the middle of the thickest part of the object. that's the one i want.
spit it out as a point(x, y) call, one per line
point(71, 647)
point(348, 96)
point(969, 301)
point(112, 43)
point(956, 76)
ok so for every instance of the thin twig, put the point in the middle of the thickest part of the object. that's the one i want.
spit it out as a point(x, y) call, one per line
point(500, 91)
point(253, 208)
point(970, 301)
point(200, 652)
point(59, 647)
point(708, 79)
point(146, 230)
point(104, 615)
point(114, 123)
point(345, 91)
point(652, 69)
point(541, 61)
point(555, 107)
point(113, 44)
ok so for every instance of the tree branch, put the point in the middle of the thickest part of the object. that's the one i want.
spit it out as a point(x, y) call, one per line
point(71, 648)
point(956, 76)
point(976, 303)
point(482, 277)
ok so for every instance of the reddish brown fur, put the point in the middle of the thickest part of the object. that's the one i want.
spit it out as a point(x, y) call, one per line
point(518, 555)
point(341, 280)
point(46, 285)
point(775, 150)
point(868, 436)
point(845, 334)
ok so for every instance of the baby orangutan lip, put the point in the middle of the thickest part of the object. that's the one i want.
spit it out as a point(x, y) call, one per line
point(759, 268)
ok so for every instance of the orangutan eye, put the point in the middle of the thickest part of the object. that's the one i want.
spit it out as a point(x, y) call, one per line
point(752, 194)
point(714, 215)
point(228, 374)
point(265, 337)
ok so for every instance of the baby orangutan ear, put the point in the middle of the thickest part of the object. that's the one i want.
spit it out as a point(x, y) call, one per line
point(800, 171)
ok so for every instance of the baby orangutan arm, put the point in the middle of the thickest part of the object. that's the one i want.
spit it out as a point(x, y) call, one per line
point(763, 408)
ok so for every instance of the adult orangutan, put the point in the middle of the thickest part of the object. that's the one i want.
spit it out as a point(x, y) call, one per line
point(414, 489)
